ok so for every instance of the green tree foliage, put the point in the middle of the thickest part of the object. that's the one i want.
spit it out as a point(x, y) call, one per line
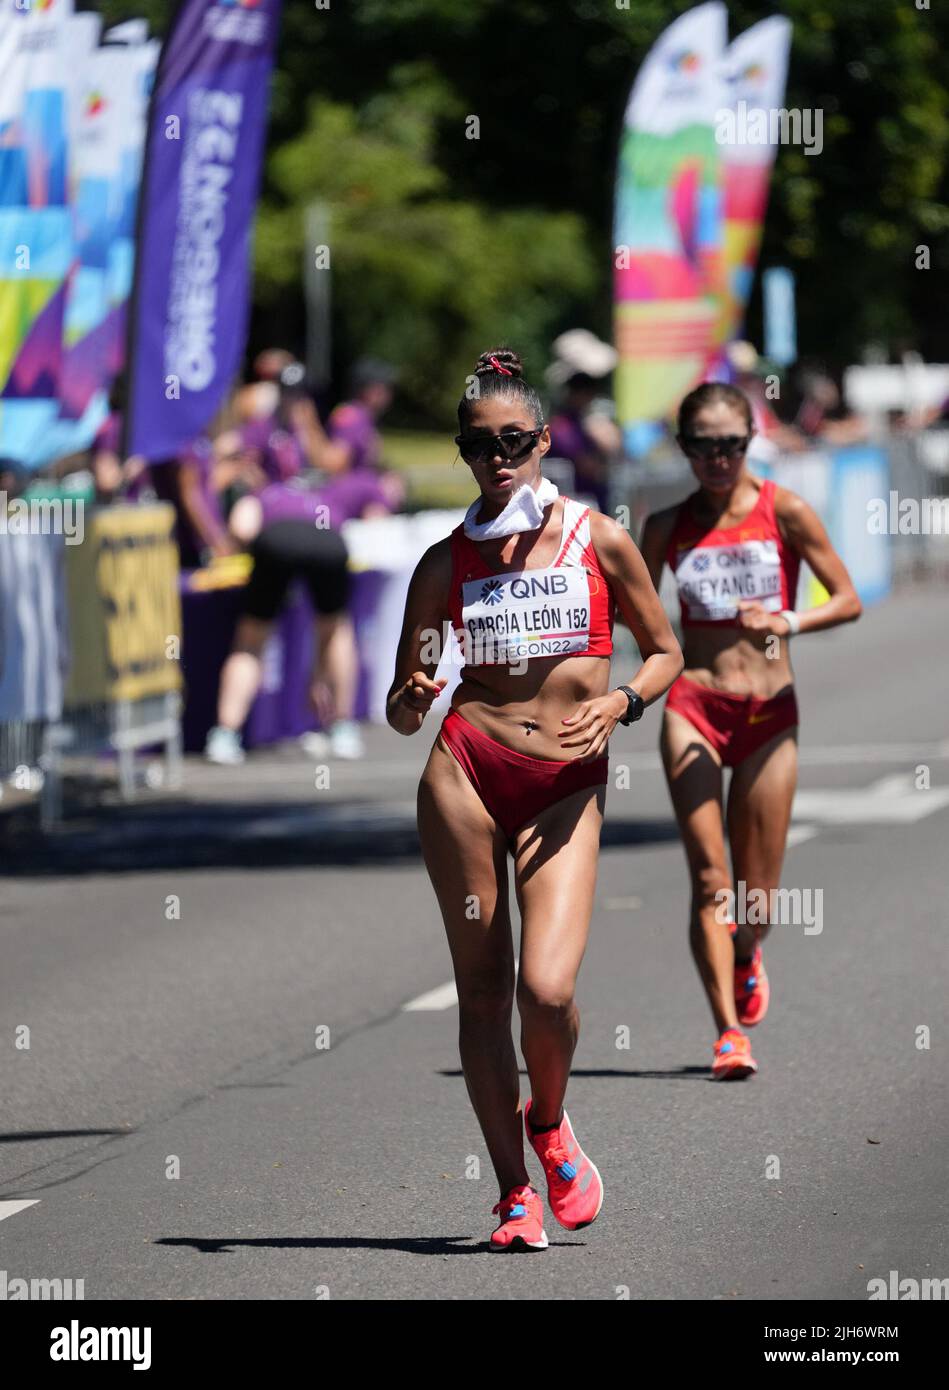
point(442, 245)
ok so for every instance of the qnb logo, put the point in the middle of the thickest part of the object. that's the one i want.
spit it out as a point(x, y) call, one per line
point(903, 1290)
point(547, 586)
point(75, 1343)
point(492, 592)
point(701, 563)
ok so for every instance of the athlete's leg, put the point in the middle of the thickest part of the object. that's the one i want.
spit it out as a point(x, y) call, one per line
point(694, 774)
point(324, 560)
point(759, 812)
point(555, 879)
point(333, 689)
point(466, 857)
point(241, 673)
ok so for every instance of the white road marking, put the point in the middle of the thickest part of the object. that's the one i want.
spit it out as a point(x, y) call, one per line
point(11, 1208)
point(823, 755)
point(891, 801)
point(799, 833)
point(444, 997)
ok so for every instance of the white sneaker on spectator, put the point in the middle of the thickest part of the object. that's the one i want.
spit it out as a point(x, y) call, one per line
point(346, 740)
point(224, 746)
point(315, 744)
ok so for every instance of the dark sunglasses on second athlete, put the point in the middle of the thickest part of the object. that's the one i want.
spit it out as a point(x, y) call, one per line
point(481, 448)
point(707, 446)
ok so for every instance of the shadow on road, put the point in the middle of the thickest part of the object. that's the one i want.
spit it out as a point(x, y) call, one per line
point(27, 1136)
point(265, 834)
point(411, 1245)
point(673, 1074)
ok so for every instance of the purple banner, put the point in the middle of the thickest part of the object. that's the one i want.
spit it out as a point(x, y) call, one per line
point(188, 316)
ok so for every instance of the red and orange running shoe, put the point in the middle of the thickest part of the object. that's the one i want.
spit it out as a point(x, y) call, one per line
point(752, 991)
point(522, 1221)
point(574, 1185)
point(733, 1060)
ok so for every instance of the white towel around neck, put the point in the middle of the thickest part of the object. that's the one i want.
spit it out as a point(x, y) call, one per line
point(524, 512)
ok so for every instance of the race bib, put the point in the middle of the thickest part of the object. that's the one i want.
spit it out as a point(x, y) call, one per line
point(511, 617)
point(713, 580)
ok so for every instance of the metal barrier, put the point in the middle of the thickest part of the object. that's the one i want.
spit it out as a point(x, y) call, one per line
point(104, 610)
point(122, 728)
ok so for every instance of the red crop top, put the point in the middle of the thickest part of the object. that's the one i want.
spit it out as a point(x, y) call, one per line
point(564, 610)
point(716, 569)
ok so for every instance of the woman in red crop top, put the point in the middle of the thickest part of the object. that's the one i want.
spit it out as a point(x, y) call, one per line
point(734, 547)
point(528, 583)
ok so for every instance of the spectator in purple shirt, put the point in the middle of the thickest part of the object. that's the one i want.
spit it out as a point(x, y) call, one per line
point(353, 423)
point(352, 431)
point(293, 533)
point(189, 483)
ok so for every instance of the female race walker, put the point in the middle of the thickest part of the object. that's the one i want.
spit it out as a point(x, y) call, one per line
point(529, 583)
point(735, 547)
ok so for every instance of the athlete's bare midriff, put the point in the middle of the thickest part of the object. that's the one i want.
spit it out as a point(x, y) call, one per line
point(736, 661)
point(523, 706)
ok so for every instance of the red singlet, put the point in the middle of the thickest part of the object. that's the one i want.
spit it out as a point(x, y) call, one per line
point(504, 618)
point(718, 568)
point(715, 570)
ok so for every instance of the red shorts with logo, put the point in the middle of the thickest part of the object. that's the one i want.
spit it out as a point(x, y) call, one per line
point(735, 725)
point(516, 788)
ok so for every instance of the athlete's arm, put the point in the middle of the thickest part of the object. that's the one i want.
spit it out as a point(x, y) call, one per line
point(655, 542)
point(414, 688)
point(805, 532)
point(590, 726)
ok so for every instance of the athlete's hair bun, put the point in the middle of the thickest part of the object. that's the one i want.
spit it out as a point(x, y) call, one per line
point(499, 373)
point(503, 361)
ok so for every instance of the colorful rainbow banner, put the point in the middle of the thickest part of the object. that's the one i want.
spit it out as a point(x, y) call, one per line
point(756, 67)
point(689, 208)
point(71, 132)
point(188, 316)
point(667, 220)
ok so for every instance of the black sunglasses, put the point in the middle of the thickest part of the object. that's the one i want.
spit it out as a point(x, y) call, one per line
point(706, 446)
point(480, 448)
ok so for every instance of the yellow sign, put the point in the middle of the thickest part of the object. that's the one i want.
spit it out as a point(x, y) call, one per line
point(124, 607)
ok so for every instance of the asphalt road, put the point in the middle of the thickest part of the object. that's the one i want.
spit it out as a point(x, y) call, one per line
point(344, 1171)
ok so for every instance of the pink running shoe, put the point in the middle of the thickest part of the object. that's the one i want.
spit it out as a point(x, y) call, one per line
point(732, 1057)
point(752, 991)
point(522, 1221)
point(574, 1185)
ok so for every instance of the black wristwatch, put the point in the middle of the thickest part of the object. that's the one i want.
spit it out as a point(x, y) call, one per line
point(634, 705)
